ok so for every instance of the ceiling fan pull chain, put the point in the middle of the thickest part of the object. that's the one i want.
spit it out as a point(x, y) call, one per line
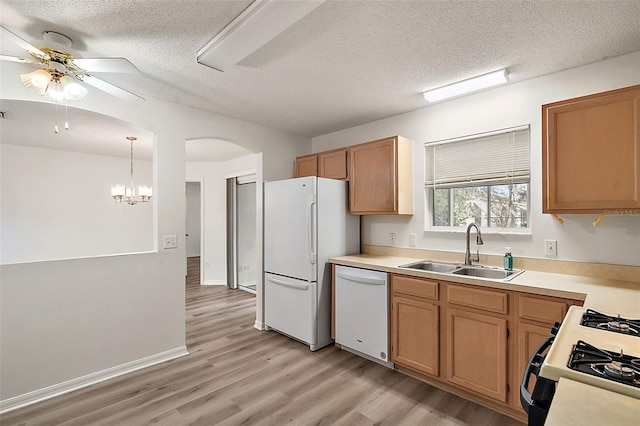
point(66, 115)
point(55, 122)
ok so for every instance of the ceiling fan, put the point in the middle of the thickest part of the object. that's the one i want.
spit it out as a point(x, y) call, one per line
point(59, 78)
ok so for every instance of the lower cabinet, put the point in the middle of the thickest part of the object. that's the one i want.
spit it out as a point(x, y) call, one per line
point(530, 337)
point(471, 340)
point(477, 353)
point(415, 335)
point(535, 315)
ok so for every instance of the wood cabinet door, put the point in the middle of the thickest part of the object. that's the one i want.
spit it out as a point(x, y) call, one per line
point(333, 164)
point(477, 353)
point(373, 178)
point(530, 337)
point(414, 334)
point(306, 166)
point(591, 153)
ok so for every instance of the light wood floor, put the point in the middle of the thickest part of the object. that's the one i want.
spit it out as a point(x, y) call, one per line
point(237, 375)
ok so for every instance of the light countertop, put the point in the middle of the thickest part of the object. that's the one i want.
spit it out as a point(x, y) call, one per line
point(620, 297)
point(576, 403)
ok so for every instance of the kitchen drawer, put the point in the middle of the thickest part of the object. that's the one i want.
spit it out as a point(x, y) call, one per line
point(541, 310)
point(414, 286)
point(488, 300)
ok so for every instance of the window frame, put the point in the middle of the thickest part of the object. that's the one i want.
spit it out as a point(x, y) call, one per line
point(429, 195)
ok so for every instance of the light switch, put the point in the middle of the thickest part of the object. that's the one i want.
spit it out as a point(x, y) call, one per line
point(550, 248)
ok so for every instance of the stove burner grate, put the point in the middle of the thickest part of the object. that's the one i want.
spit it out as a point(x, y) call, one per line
point(606, 364)
point(594, 319)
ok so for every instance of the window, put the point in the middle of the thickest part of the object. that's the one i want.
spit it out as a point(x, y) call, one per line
point(482, 179)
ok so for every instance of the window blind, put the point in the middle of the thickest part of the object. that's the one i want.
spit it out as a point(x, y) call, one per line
point(496, 156)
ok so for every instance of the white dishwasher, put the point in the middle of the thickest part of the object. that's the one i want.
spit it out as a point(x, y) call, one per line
point(361, 309)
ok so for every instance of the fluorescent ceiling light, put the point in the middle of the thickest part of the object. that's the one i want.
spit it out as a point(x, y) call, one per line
point(253, 28)
point(467, 86)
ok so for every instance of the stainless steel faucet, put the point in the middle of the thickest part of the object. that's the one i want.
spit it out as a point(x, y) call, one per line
point(467, 255)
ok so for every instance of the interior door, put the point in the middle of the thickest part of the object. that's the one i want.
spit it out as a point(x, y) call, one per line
point(193, 219)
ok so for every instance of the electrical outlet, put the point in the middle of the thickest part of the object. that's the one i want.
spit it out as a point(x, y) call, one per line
point(169, 242)
point(392, 238)
point(413, 240)
point(550, 248)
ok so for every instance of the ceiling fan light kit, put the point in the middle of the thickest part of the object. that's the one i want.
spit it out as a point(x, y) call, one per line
point(470, 85)
point(53, 85)
point(37, 81)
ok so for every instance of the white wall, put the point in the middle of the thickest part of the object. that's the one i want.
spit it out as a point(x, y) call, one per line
point(64, 320)
point(193, 219)
point(615, 241)
point(57, 205)
point(213, 176)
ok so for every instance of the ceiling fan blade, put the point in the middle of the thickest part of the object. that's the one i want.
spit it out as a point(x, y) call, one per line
point(105, 65)
point(111, 89)
point(5, 33)
point(17, 59)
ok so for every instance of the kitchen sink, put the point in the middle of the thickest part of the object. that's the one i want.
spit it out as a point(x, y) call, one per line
point(452, 269)
point(426, 265)
point(489, 273)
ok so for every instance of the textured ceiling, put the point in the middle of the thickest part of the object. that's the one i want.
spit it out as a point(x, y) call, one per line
point(344, 64)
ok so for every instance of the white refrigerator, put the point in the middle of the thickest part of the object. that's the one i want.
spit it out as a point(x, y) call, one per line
point(306, 221)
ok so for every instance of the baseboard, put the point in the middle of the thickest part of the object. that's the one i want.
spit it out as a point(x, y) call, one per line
point(214, 282)
point(88, 380)
point(259, 325)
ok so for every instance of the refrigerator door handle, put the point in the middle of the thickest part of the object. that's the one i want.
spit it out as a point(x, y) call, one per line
point(362, 280)
point(288, 284)
point(311, 229)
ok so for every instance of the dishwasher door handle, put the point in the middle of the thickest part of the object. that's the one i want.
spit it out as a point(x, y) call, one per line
point(362, 280)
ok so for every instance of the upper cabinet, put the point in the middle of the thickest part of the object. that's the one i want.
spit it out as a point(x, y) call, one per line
point(591, 153)
point(329, 164)
point(380, 174)
point(306, 165)
point(381, 177)
point(333, 164)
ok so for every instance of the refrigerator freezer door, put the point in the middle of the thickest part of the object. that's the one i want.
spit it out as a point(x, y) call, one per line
point(290, 228)
point(290, 307)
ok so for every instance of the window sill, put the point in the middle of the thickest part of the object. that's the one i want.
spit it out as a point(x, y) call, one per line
point(485, 231)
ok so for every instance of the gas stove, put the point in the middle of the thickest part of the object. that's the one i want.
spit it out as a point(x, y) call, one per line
point(615, 366)
point(616, 324)
point(590, 348)
point(584, 346)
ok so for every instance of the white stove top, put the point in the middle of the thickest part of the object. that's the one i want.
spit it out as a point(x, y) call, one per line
point(555, 364)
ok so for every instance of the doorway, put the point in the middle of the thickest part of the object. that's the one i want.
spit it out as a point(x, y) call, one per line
point(193, 226)
point(241, 233)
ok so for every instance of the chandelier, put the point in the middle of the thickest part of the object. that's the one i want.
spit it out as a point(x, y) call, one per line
point(125, 193)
